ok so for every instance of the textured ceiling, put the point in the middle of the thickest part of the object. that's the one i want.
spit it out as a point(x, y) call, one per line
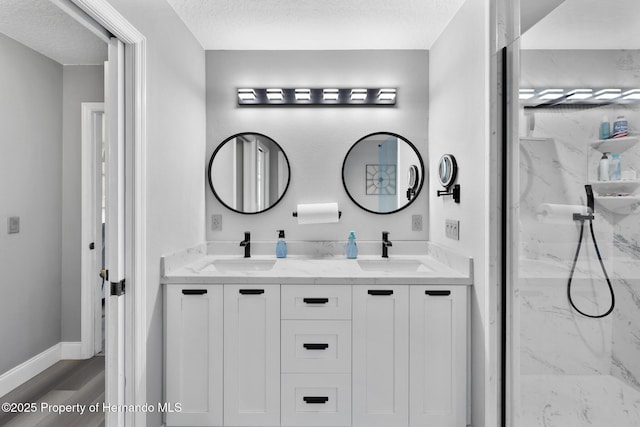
point(43, 27)
point(587, 24)
point(316, 24)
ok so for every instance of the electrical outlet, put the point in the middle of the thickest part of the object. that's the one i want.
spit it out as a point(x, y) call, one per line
point(13, 225)
point(216, 222)
point(416, 222)
point(452, 229)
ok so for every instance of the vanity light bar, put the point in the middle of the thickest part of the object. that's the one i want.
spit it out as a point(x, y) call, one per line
point(545, 97)
point(317, 96)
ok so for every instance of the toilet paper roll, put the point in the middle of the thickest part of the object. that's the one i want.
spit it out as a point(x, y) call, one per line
point(559, 214)
point(318, 213)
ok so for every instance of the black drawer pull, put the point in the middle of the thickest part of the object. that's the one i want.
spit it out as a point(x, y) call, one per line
point(251, 291)
point(315, 399)
point(437, 293)
point(315, 300)
point(316, 346)
point(194, 291)
point(380, 292)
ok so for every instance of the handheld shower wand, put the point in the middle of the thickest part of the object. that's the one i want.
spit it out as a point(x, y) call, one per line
point(590, 199)
point(582, 218)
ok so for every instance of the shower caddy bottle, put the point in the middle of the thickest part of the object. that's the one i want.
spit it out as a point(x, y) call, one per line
point(603, 168)
point(615, 168)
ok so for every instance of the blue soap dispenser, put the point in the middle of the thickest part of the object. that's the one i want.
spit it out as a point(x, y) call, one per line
point(352, 248)
point(281, 246)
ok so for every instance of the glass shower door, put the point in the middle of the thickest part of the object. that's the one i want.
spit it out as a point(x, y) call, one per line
point(568, 369)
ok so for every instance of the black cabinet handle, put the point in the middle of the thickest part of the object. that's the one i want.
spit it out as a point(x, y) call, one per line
point(315, 300)
point(437, 293)
point(380, 292)
point(315, 399)
point(251, 291)
point(316, 346)
point(194, 291)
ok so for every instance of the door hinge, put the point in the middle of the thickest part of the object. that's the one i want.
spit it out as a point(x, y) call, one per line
point(117, 288)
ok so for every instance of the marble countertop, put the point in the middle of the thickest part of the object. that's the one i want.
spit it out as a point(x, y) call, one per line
point(415, 263)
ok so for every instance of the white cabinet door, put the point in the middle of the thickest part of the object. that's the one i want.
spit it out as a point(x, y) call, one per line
point(193, 349)
point(380, 356)
point(438, 334)
point(252, 355)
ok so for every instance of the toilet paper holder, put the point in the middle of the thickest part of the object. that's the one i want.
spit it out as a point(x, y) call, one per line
point(295, 214)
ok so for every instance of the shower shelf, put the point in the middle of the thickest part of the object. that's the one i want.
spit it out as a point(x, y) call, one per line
point(620, 205)
point(615, 145)
point(608, 187)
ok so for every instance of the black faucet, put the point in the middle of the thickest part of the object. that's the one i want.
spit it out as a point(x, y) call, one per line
point(247, 244)
point(385, 244)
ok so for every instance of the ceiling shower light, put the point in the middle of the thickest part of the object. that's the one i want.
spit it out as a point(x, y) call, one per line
point(303, 94)
point(246, 95)
point(527, 93)
point(330, 94)
point(607, 94)
point(358, 94)
point(551, 94)
point(579, 94)
point(275, 95)
point(632, 94)
point(387, 95)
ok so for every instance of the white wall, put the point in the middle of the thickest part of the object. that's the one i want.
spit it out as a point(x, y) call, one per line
point(175, 102)
point(316, 139)
point(80, 84)
point(459, 125)
point(31, 188)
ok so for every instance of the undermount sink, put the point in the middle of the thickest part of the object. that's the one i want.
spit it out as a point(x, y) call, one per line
point(244, 264)
point(392, 265)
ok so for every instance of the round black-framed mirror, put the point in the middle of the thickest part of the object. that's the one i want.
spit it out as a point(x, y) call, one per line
point(249, 173)
point(383, 173)
point(447, 170)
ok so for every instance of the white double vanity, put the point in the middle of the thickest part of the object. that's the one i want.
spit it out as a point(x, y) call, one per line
point(317, 340)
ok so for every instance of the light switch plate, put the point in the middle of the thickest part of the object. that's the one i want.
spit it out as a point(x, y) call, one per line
point(416, 222)
point(13, 225)
point(216, 222)
point(452, 229)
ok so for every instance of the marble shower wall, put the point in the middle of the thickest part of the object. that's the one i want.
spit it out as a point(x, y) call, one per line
point(556, 162)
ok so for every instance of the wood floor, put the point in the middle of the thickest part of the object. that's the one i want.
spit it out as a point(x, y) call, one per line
point(68, 382)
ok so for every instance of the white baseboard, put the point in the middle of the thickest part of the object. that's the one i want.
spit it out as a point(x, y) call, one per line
point(32, 367)
point(71, 351)
point(29, 369)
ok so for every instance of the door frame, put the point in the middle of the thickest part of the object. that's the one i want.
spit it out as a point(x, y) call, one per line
point(135, 192)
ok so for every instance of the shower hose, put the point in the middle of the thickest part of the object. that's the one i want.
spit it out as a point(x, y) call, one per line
point(604, 270)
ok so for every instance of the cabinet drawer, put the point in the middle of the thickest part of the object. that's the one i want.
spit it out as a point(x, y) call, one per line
point(316, 346)
point(322, 400)
point(316, 302)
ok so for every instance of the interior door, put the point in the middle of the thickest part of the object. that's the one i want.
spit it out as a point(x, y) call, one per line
point(114, 232)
